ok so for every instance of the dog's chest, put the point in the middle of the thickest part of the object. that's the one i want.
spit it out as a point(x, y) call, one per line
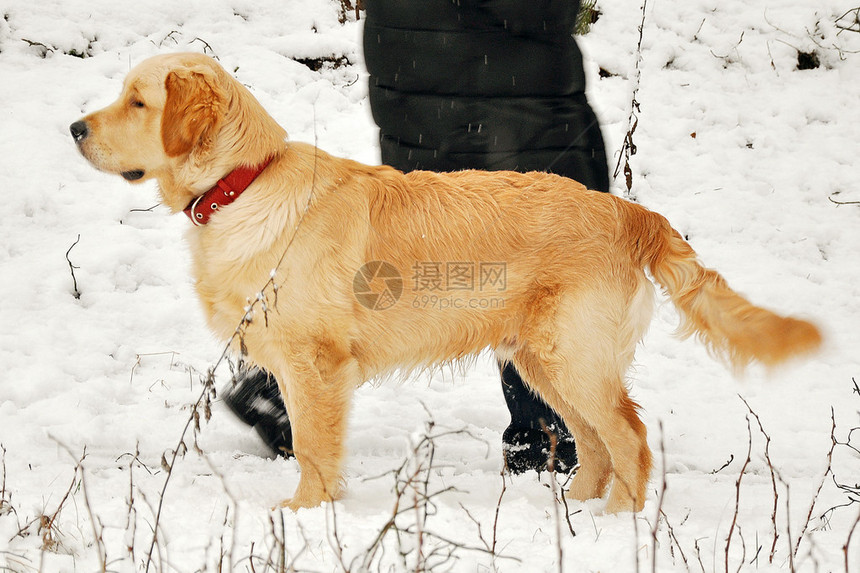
point(226, 288)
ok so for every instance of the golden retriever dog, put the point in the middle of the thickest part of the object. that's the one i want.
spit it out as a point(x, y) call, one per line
point(334, 272)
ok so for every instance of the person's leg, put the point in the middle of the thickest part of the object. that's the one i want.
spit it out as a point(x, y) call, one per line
point(255, 398)
point(525, 441)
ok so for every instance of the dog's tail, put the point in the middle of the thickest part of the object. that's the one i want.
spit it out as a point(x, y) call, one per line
point(732, 328)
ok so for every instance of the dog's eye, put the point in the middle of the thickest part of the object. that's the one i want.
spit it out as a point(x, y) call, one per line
point(137, 103)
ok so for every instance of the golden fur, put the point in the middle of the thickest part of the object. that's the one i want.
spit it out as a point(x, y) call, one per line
point(574, 304)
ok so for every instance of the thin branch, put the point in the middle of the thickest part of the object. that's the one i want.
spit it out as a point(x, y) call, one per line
point(628, 149)
point(853, 26)
point(76, 293)
point(414, 496)
point(674, 540)
point(832, 200)
point(828, 471)
point(94, 522)
point(725, 465)
point(660, 498)
point(738, 494)
point(5, 506)
point(498, 510)
point(43, 48)
point(788, 521)
point(207, 49)
point(48, 525)
point(848, 541)
point(180, 449)
point(772, 479)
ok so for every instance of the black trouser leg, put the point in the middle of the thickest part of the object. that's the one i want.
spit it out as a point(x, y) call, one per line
point(527, 445)
point(527, 410)
point(255, 398)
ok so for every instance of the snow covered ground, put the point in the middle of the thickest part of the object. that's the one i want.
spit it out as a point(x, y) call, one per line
point(743, 152)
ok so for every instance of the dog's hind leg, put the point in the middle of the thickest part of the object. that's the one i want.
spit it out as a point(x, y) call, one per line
point(595, 465)
point(584, 363)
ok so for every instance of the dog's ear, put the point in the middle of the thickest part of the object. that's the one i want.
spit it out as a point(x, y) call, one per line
point(193, 110)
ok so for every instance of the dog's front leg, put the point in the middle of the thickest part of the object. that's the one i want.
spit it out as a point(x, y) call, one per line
point(318, 405)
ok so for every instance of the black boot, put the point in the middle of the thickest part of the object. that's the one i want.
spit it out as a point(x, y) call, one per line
point(255, 398)
point(526, 443)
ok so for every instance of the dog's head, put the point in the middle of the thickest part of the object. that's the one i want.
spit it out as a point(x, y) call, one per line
point(182, 120)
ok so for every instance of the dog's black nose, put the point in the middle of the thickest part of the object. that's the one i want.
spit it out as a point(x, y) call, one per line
point(79, 130)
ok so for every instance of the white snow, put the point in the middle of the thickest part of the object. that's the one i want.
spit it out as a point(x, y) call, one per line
point(744, 153)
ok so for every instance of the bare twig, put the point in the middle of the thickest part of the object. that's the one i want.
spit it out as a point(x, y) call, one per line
point(94, 522)
point(852, 491)
point(232, 504)
point(5, 505)
point(48, 524)
point(550, 466)
point(848, 541)
point(146, 210)
point(140, 210)
point(138, 359)
point(832, 200)
point(728, 57)
point(76, 293)
point(414, 496)
point(155, 527)
point(566, 487)
point(853, 25)
point(628, 148)
point(346, 5)
point(43, 48)
point(828, 471)
point(743, 549)
point(725, 465)
point(131, 517)
point(207, 49)
point(772, 480)
point(754, 559)
point(335, 541)
point(660, 497)
point(277, 558)
point(788, 522)
point(180, 449)
point(699, 554)
point(498, 510)
point(674, 540)
point(738, 495)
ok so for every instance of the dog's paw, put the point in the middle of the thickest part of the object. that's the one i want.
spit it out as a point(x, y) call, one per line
point(297, 503)
point(584, 487)
point(620, 501)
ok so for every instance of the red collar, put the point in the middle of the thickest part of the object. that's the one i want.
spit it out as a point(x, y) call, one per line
point(223, 193)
